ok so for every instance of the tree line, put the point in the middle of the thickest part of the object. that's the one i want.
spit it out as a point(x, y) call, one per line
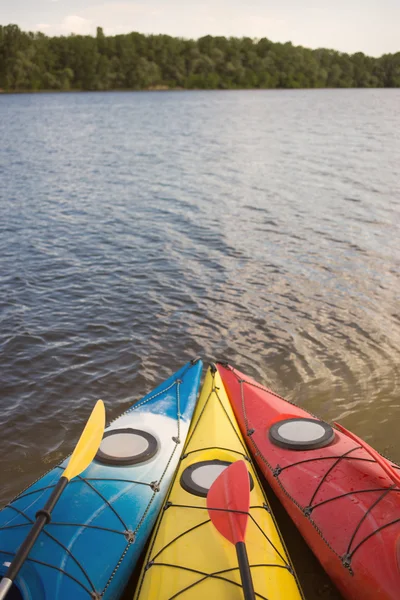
point(33, 61)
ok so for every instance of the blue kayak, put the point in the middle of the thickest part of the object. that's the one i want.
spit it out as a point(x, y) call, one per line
point(101, 523)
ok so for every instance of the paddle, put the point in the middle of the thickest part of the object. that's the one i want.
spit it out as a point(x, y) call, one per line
point(382, 462)
point(82, 456)
point(228, 503)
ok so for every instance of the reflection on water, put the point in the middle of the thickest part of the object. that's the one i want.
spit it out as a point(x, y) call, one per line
point(141, 229)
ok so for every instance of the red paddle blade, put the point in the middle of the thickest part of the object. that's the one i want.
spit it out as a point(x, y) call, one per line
point(386, 466)
point(228, 502)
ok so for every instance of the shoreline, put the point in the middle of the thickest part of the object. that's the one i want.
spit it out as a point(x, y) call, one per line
point(179, 89)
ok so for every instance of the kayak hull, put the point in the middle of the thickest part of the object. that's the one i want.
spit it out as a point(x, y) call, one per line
point(344, 504)
point(187, 556)
point(103, 518)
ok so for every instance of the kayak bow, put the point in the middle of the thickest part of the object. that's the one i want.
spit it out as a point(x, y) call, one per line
point(101, 523)
point(187, 556)
point(344, 500)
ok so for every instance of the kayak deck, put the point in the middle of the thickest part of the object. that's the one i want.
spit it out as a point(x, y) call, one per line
point(343, 502)
point(103, 519)
point(187, 556)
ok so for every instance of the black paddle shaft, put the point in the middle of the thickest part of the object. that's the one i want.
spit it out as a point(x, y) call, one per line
point(245, 574)
point(42, 518)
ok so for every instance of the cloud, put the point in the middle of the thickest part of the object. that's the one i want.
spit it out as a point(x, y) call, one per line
point(114, 17)
point(70, 24)
point(123, 17)
point(281, 21)
point(76, 24)
point(192, 19)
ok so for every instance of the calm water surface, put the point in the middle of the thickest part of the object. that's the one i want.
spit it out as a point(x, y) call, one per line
point(140, 229)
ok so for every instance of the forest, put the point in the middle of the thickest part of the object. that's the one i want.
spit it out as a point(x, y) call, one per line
point(33, 62)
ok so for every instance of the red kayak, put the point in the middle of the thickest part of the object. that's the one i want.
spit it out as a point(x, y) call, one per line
point(343, 496)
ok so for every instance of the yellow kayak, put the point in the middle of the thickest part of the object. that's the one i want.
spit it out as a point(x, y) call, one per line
point(187, 556)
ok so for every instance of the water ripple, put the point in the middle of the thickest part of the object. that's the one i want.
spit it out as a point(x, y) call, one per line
point(141, 229)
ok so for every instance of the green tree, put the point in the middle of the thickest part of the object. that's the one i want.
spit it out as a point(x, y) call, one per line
point(33, 61)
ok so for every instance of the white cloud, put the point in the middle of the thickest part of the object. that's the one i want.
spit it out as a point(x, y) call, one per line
point(282, 21)
point(76, 24)
point(119, 17)
point(192, 19)
point(70, 24)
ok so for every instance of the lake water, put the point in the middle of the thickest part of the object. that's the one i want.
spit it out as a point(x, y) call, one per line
point(138, 230)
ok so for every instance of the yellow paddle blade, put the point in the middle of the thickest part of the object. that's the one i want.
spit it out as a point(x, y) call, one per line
point(89, 442)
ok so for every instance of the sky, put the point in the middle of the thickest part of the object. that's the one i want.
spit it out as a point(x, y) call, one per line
point(369, 26)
